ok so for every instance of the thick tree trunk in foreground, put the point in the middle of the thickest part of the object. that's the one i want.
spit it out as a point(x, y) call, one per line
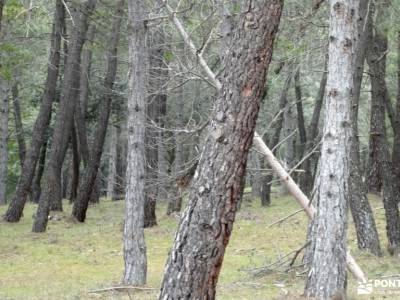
point(134, 243)
point(396, 127)
point(367, 235)
point(377, 65)
point(196, 257)
point(4, 95)
point(36, 185)
point(327, 275)
point(17, 203)
point(92, 169)
point(51, 194)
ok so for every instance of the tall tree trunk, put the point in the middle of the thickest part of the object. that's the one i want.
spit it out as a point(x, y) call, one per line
point(92, 169)
point(4, 95)
point(367, 235)
point(75, 164)
point(196, 257)
point(17, 203)
point(112, 161)
point(376, 58)
point(175, 197)
point(51, 194)
point(301, 124)
point(378, 66)
point(327, 275)
point(312, 134)
point(134, 243)
point(19, 130)
point(120, 180)
point(273, 140)
point(36, 185)
point(396, 127)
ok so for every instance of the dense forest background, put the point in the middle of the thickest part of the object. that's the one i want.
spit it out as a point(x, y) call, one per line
point(156, 103)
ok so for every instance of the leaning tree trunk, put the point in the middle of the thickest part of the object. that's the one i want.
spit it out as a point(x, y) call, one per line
point(36, 185)
point(196, 257)
point(17, 203)
point(51, 194)
point(134, 243)
point(367, 235)
point(92, 169)
point(327, 275)
point(377, 65)
point(4, 91)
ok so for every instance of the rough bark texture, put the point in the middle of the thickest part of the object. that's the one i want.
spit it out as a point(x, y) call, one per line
point(301, 125)
point(89, 177)
point(4, 95)
point(196, 258)
point(396, 127)
point(17, 203)
point(51, 195)
point(367, 235)
point(134, 244)
point(327, 275)
point(377, 65)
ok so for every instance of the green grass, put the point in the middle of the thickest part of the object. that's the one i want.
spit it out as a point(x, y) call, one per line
point(70, 259)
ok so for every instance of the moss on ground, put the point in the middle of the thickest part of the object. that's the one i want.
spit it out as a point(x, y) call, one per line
point(70, 259)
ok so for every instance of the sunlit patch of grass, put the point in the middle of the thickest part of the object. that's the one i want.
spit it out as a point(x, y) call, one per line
point(71, 259)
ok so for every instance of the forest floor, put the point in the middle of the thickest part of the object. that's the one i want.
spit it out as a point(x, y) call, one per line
point(71, 260)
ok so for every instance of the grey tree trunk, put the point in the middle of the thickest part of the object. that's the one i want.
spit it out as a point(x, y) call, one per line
point(14, 211)
point(112, 160)
point(367, 235)
point(377, 65)
point(134, 243)
point(88, 182)
point(196, 257)
point(51, 197)
point(327, 275)
point(175, 196)
point(4, 96)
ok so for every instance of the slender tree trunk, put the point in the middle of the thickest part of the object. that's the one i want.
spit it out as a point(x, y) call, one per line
point(376, 58)
point(272, 141)
point(92, 169)
point(17, 203)
point(120, 165)
point(51, 194)
point(112, 160)
point(175, 197)
point(196, 257)
point(4, 95)
point(301, 124)
point(307, 182)
point(396, 127)
point(36, 186)
point(19, 130)
point(367, 235)
point(134, 243)
point(327, 275)
point(378, 66)
point(75, 164)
